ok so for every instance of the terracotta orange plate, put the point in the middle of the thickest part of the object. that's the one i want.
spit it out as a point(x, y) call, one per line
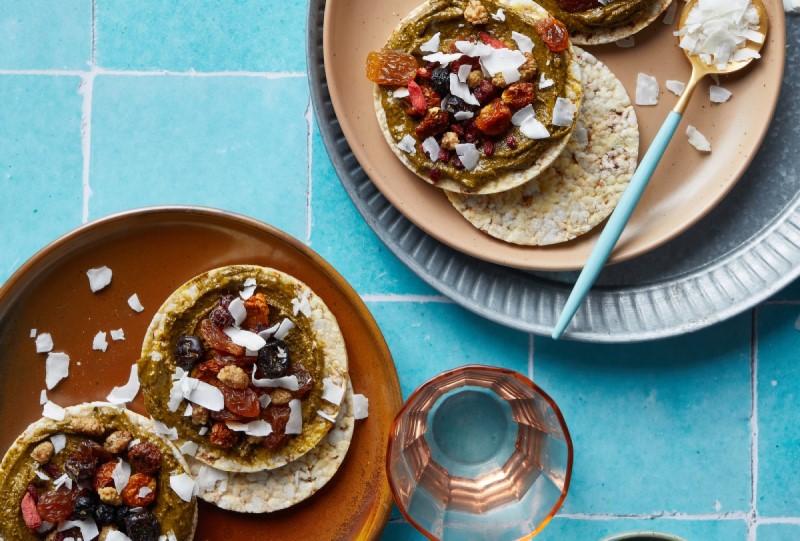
point(151, 252)
point(686, 185)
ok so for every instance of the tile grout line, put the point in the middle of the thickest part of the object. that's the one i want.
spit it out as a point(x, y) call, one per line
point(156, 73)
point(530, 357)
point(87, 90)
point(309, 158)
point(753, 520)
point(94, 34)
point(422, 299)
point(733, 515)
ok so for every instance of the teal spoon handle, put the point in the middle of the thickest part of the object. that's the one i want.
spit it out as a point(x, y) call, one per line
point(616, 223)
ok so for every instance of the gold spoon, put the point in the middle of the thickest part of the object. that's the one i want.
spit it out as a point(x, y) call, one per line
point(627, 203)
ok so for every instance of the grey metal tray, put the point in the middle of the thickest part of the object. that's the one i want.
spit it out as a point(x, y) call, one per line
point(741, 253)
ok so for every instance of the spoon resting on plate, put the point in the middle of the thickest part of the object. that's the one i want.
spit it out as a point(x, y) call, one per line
point(627, 203)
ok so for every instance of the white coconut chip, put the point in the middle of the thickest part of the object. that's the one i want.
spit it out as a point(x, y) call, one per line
point(99, 343)
point(295, 423)
point(99, 278)
point(499, 15)
point(117, 334)
point(63, 480)
point(717, 94)
point(400, 93)
point(544, 82)
point(201, 393)
point(520, 116)
point(208, 477)
point(188, 411)
point(246, 339)
point(264, 400)
point(461, 90)
point(533, 129)
point(676, 87)
point(144, 491)
point(332, 392)
point(324, 415)
point(135, 304)
point(441, 58)
point(697, 139)
point(289, 383)
point(646, 90)
point(626, 43)
point(468, 155)
point(258, 428)
point(53, 411)
point(463, 72)
point(283, 329)
point(238, 311)
point(360, 406)
point(432, 45)
point(59, 441)
point(56, 369)
point(431, 148)
point(41, 475)
point(44, 343)
point(121, 474)
point(524, 43)
point(87, 527)
point(126, 393)
point(116, 535)
point(301, 305)
point(33, 333)
point(164, 430)
point(563, 112)
point(463, 115)
point(203, 430)
point(43, 397)
point(505, 61)
point(408, 144)
point(669, 16)
point(183, 486)
point(475, 50)
point(249, 289)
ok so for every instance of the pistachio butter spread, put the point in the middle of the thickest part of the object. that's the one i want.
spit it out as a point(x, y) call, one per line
point(588, 15)
point(467, 76)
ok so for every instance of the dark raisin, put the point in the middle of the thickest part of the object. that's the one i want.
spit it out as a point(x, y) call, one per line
point(142, 526)
point(440, 81)
point(455, 161)
point(145, 457)
point(188, 351)
point(82, 465)
point(485, 92)
point(84, 506)
point(104, 514)
point(444, 155)
point(458, 129)
point(471, 134)
point(221, 318)
point(226, 300)
point(454, 105)
point(435, 175)
point(273, 359)
point(52, 470)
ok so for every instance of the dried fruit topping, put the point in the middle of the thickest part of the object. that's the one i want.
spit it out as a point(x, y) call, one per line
point(208, 369)
point(82, 465)
point(511, 142)
point(488, 148)
point(221, 317)
point(436, 121)
point(440, 81)
point(257, 312)
point(222, 436)
point(133, 494)
point(485, 92)
point(214, 338)
point(102, 477)
point(273, 359)
point(417, 99)
point(304, 379)
point(188, 351)
point(553, 33)
point(492, 41)
point(574, 6)
point(52, 470)
point(120, 515)
point(277, 417)
point(241, 402)
point(142, 526)
point(453, 105)
point(424, 73)
point(518, 95)
point(85, 505)
point(435, 175)
point(145, 457)
point(29, 512)
point(474, 62)
point(494, 119)
point(104, 514)
point(56, 505)
point(392, 68)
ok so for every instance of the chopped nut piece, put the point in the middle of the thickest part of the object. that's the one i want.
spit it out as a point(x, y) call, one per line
point(499, 81)
point(118, 441)
point(233, 376)
point(43, 452)
point(105, 532)
point(110, 496)
point(474, 78)
point(51, 536)
point(528, 69)
point(449, 140)
point(280, 397)
point(199, 415)
point(476, 13)
point(87, 425)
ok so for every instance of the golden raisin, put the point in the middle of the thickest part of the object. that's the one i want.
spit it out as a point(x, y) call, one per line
point(553, 33)
point(518, 95)
point(494, 119)
point(392, 68)
point(222, 436)
point(134, 496)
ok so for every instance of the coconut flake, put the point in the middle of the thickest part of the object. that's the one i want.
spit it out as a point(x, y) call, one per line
point(188, 448)
point(669, 16)
point(135, 304)
point(332, 392)
point(208, 477)
point(266, 334)
point(400, 93)
point(188, 411)
point(544, 82)
point(301, 305)
point(676, 87)
point(99, 343)
point(183, 486)
point(43, 397)
point(499, 15)
point(475, 50)
point(118, 334)
point(203, 430)
point(44, 343)
point(719, 94)
point(116, 535)
point(697, 139)
point(121, 474)
point(164, 430)
point(295, 423)
point(646, 90)
point(524, 43)
point(201, 393)
point(289, 383)
point(463, 115)
point(99, 278)
point(461, 90)
point(284, 328)
point(249, 289)
point(563, 112)
point(258, 428)
point(505, 61)
point(408, 144)
point(360, 406)
point(468, 155)
point(41, 475)
point(33, 333)
point(264, 400)
point(519, 117)
point(463, 72)
point(441, 58)
point(63, 480)
point(246, 339)
point(533, 129)
point(59, 441)
point(626, 43)
point(126, 393)
point(56, 369)
point(53, 411)
point(432, 45)
point(431, 148)
point(144, 491)
point(238, 311)
point(87, 527)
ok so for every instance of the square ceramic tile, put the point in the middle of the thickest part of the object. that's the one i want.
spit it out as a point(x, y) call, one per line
point(41, 164)
point(777, 532)
point(226, 35)
point(561, 529)
point(428, 338)
point(238, 143)
point(778, 405)
point(45, 35)
point(341, 236)
point(659, 426)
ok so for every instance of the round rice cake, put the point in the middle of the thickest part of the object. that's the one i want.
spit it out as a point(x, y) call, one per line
point(583, 185)
point(319, 344)
point(505, 179)
point(272, 490)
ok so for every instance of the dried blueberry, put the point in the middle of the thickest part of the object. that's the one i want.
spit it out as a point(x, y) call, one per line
point(142, 526)
point(440, 81)
point(454, 105)
point(188, 351)
point(104, 514)
point(84, 506)
point(273, 359)
point(121, 515)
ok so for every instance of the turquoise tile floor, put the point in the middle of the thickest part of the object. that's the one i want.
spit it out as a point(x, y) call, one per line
point(107, 105)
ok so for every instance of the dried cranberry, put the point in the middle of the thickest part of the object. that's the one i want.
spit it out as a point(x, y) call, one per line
point(145, 457)
point(444, 155)
point(273, 359)
point(435, 175)
point(485, 92)
point(471, 133)
point(455, 161)
point(188, 351)
point(511, 142)
point(458, 129)
point(488, 148)
point(474, 62)
point(221, 317)
point(52, 470)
